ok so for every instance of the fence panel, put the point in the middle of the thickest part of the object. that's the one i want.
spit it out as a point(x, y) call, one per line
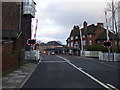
point(109, 56)
point(91, 53)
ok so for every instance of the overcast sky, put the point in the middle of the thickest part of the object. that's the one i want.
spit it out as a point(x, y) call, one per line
point(56, 18)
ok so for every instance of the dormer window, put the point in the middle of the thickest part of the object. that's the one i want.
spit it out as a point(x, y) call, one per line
point(71, 37)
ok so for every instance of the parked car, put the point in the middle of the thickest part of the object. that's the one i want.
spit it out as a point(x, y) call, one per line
point(52, 52)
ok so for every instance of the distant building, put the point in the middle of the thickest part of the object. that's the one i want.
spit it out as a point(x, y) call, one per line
point(16, 29)
point(91, 35)
point(52, 45)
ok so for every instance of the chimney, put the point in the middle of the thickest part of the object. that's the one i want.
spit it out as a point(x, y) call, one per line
point(99, 25)
point(85, 26)
point(76, 27)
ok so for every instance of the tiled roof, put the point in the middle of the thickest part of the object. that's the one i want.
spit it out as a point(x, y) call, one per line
point(51, 43)
point(90, 30)
point(103, 36)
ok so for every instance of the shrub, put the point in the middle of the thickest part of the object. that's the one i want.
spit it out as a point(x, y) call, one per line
point(96, 48)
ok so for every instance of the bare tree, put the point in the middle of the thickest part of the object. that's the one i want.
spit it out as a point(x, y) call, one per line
point(109, 10)
point(112, 9)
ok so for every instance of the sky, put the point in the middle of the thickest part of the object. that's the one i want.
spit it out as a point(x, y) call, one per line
point(56, 18)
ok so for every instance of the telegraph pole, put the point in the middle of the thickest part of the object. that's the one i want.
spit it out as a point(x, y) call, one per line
point(107, 35)
point(81, 41)
point(113, 16)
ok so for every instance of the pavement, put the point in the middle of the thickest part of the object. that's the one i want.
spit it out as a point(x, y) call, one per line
point(18, 77)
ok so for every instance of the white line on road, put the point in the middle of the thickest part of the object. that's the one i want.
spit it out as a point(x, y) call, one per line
point(112, 86)
point(80, 69)
point(53, 61)
point(40, 60)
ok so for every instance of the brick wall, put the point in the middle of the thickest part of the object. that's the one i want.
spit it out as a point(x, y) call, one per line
point(10, 21)
point(9, 57)
point(26, 28)
point(10, 15)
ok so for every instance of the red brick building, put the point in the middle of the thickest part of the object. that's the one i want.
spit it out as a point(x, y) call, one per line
point(16, 29)
point(91, 35)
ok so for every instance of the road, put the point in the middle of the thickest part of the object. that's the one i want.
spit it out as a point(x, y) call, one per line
point(63, 71)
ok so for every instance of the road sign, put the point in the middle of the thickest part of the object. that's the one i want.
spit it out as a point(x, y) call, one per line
point(107, 43)
point(31, 41)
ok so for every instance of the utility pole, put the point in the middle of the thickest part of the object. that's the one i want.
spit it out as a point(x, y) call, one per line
point(113, 16)
point(107, 35)
point(81, 42)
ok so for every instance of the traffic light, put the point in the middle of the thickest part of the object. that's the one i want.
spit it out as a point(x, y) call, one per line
point(31, 41)
point(107, 43)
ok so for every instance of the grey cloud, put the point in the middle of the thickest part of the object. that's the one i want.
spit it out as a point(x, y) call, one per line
point(65, 15)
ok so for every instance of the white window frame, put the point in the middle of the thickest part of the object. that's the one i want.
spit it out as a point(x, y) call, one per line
point(83, 36)
point(71, 37)
point(71, 44)
point(84, 42)
point(76, 37)
point(90, 42)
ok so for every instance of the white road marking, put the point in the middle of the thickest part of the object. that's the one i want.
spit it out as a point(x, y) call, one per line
point(80, 68)
point(112, 86)
point(90, 76)
point(53, 61)
point(40, 60)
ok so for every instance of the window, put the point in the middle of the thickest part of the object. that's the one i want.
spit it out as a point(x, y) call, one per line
point(71, 37)
point(84, 42)
point(71, 44)
point(90, 35)
point(90, 42)
point(76, 45)
point(68, 45)
point(98, 41)
point(76, 37)
point(83, 36)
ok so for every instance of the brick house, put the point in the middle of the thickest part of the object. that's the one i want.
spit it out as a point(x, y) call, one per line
point(16, 29)
point(91, 35)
